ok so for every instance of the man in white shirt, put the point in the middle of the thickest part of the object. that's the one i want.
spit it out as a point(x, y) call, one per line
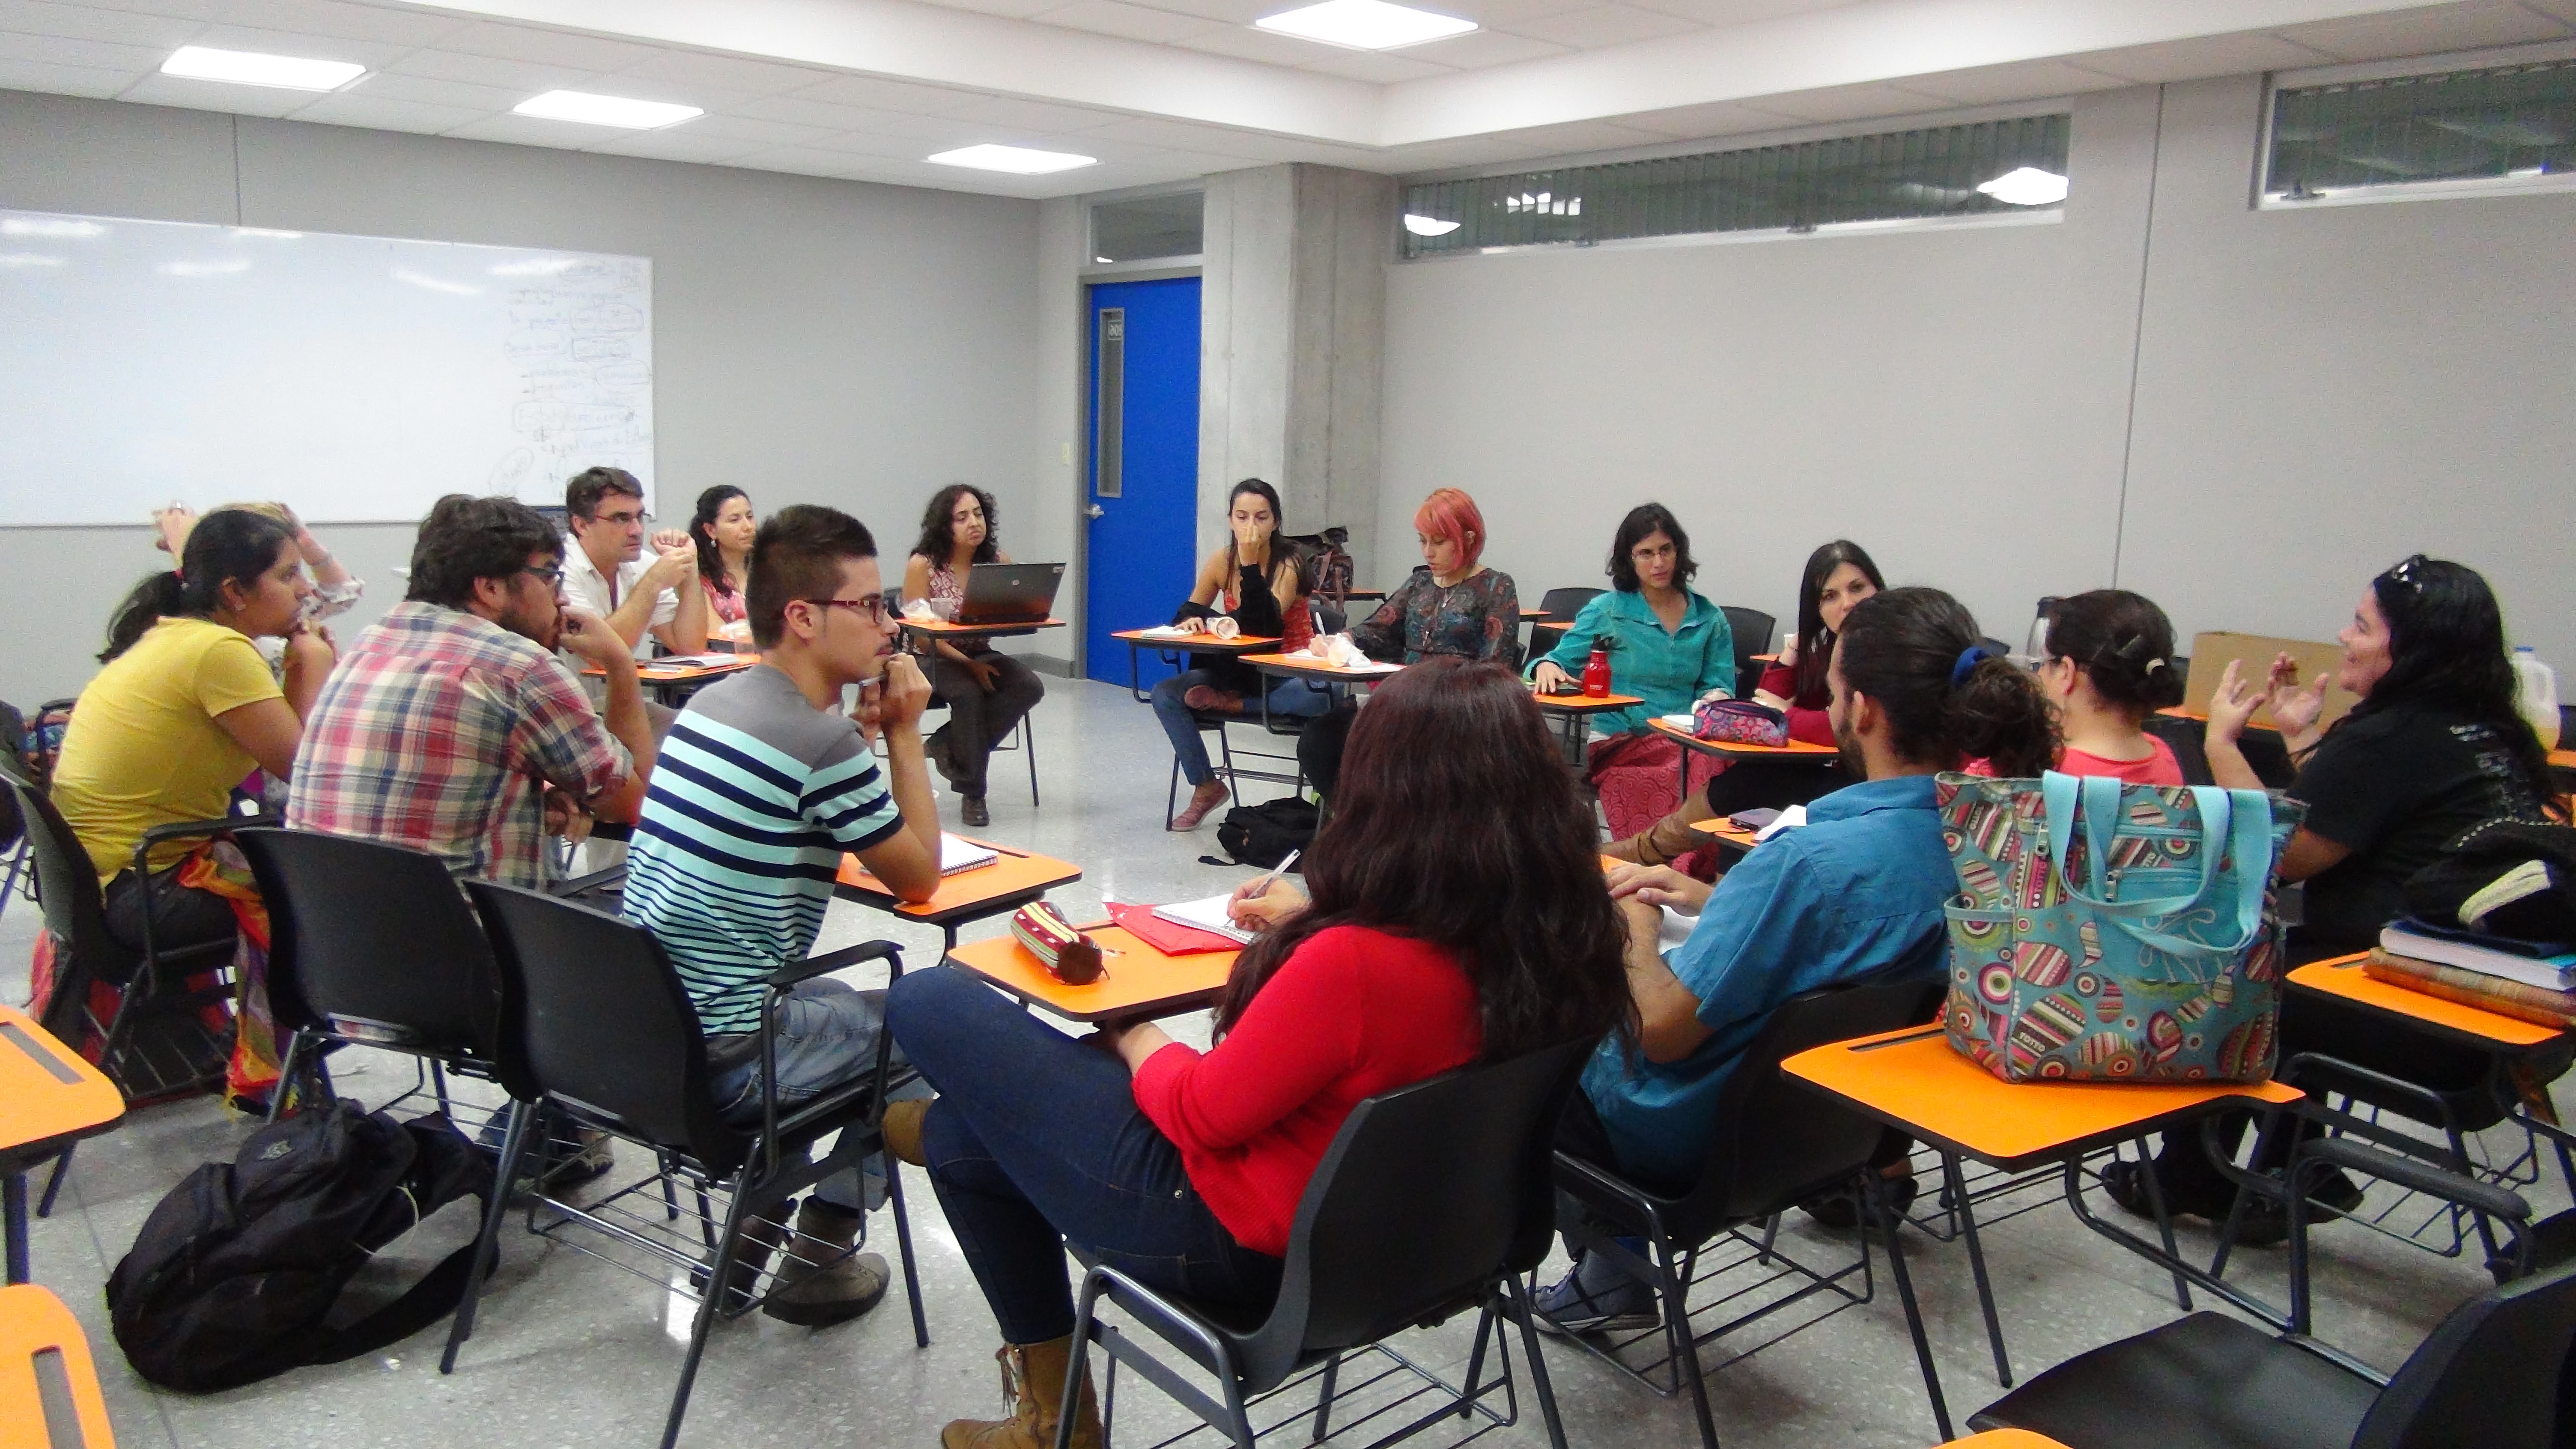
point(606, 573)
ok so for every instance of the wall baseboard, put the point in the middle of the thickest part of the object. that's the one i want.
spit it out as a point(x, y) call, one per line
point(1049, 664)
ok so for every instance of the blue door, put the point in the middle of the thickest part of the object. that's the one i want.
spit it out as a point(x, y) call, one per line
point(1144, 474)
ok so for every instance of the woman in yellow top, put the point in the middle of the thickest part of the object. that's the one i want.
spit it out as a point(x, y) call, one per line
point(184, 710)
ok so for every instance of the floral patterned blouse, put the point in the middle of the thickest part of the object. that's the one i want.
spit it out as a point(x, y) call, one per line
point(1478, 617)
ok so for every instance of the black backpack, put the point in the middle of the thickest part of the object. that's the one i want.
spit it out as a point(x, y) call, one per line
point(233, 1274)
point(1263, 834)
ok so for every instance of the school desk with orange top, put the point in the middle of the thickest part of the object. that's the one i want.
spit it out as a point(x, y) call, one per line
point(1139, 640)
point(49, 1099)
point(970, 895)
point(1136, 981)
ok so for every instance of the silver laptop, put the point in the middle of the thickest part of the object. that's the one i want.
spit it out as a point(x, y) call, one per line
point(1010, 593)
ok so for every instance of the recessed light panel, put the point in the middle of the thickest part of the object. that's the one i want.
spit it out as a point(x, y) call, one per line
point(2027, 186)
point(594, 110)
point(1365, 24)
point(1019, 160)
point(1428, 225)
point(250, 68)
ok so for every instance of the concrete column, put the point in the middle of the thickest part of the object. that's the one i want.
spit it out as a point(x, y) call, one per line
point(1292, 331)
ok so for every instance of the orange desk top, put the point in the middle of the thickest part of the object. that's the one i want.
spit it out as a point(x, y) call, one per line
point(2006, 1439)
point(48, 1096)
point(665, 673)
point(1309, 667)
point(2563, 759)
point(2343, 977)
point(1585, 703)
point(1912, 1080)
point(1718, 828)
point(1199, 643)
point(952, 630)
point(33, 1320)
point(1528, 613)
point(1794, 750)
point(1135, 981)
point(1015, 874)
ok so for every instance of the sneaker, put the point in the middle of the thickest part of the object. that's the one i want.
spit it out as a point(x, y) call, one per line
point(2264, 1224)
point(1840, 1208)
point(1203, 798)
point(1597, 1296)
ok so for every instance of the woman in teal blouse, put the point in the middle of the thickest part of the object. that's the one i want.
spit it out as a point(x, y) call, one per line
point(1668, 646)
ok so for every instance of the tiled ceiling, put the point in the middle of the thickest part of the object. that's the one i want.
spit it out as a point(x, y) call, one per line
point(1530, 83)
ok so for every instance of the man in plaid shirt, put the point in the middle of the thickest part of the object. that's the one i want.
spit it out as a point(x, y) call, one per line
point(451, 727)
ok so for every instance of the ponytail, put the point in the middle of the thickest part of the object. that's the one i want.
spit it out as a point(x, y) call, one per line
point(1918, 653)
point(157, 595)
point(2125, 645)
point(228, 546)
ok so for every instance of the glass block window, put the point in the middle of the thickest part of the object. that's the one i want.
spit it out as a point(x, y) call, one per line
point(2501, 124)
point(1936, 171)
point(1146, 228)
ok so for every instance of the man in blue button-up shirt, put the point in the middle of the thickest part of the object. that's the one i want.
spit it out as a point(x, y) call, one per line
point(1854, 895)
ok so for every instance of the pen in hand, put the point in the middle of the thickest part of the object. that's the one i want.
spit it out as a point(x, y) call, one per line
point(1261, 887)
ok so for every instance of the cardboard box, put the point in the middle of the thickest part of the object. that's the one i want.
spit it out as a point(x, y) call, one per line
point(2210, 653)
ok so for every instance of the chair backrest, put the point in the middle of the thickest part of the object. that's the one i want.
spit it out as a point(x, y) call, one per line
point(376, 936)
point(1561, 605)
point(1752, 631)
point(1427, 1194)
point(75, 910)
point(1777, 1140)
point(48, 1381)
point(1329, 618)
point(2494, 1374)
point(592, 1012)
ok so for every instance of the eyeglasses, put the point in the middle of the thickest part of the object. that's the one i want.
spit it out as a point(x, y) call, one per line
point(621, 520)
point(874, 607)
point(2409, 574)
point(551, 578)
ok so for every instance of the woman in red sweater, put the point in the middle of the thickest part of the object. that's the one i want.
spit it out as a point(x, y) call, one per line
point(1838, 575)
point(1185, 1168)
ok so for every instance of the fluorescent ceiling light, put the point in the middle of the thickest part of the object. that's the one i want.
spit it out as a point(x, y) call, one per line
point(250, 68)
point(1428, 225)
point(594, 110)
point(2027, 186)
point(50, 226)
point(1365, 24)
point(1019, 160)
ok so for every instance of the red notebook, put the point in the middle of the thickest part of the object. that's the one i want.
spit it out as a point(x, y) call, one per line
point(1165, 936)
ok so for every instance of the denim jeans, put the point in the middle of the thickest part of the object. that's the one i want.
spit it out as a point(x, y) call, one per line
point(827, 1037)
point(1289, 699)
point(1036, 1141)
point(181, 916)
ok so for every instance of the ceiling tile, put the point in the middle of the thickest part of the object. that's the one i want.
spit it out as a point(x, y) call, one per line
point(1036, 116)
point(798, 111)
point(522, 76)
point(2181, 60)
point(421, 90)
point(1377, 67)
point(1738, 12)
point(1849, 103)
point(373, 54)
point(1130, 22)
point(886, 95)
point(680, 143)
point(182, 9)
point(2461, 27)
point(1482, 48)
point(758, 132)
point(1510, 14)
point(1014, 9)
point(726, 73)
point(531, 131)
point(61, 80)
point(861, 143)
point(1245, 43)
point(1604, 25)
point(1998, 84)
point(165, 90)
point(124, 27)
point(551, 47)
point(381, 23)
point(1716, 118)
point(1232, 12)
point(133, 60)
point(872, 122)
point(1574, 137)
point(358, 108)
point(805, 161)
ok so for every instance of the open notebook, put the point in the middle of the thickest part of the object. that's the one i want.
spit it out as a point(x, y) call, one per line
point(1207, 915)
point(956, 855)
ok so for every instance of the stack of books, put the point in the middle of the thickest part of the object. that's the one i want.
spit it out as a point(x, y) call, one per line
point(2532, 981)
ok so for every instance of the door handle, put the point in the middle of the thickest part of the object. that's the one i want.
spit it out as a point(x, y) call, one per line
point(1095, 511)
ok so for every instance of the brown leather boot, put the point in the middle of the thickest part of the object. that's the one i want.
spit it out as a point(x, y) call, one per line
point(1033, 1383)
point(1668, 839)
point(902, 1129)
point(823, 1282)
point(751, 1252)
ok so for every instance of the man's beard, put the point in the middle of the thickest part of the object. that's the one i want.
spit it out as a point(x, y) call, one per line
point(1854, 765)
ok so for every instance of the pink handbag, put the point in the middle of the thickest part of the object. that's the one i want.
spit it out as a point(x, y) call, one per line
point(1740, 722)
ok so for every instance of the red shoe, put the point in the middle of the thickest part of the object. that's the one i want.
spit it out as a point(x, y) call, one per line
point(1212, 700)
point(1202, 800)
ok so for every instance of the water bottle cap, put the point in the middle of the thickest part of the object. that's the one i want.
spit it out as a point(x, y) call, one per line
point(2522, 649)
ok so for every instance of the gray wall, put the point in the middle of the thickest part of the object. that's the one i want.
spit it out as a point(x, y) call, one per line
point(2317, 393)
point(817, 341)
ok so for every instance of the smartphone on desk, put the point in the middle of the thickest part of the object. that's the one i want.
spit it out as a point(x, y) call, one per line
point(1752, 819)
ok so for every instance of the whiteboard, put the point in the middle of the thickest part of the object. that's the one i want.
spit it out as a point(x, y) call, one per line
point(355, 378)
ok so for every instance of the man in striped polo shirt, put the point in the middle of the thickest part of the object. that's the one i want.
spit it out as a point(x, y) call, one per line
point(762, 784)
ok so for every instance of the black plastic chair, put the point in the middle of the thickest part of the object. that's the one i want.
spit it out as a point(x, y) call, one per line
point(1433, 1198)
point(2490, 1375)
point(596, 1025)
point(1777, 1143)
point(1751, 629)
point(1558, 606)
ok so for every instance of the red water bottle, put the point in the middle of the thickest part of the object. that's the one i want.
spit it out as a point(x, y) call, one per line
point(1596, 673)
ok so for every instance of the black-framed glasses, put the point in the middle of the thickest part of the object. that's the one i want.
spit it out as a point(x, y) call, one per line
point(874, 606)
point(551, 578)
point(621, 520)
point(2409, 574)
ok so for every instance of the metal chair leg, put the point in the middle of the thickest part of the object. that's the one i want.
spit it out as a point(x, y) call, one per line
point(1951, 1177)
point(903, 1249)
point(1516, 1297)
point(1672, 1294)
point(514, 1142)
point(54, 1181)
point(706, 1316)
point(1876, 1206)
point(1029, 747)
